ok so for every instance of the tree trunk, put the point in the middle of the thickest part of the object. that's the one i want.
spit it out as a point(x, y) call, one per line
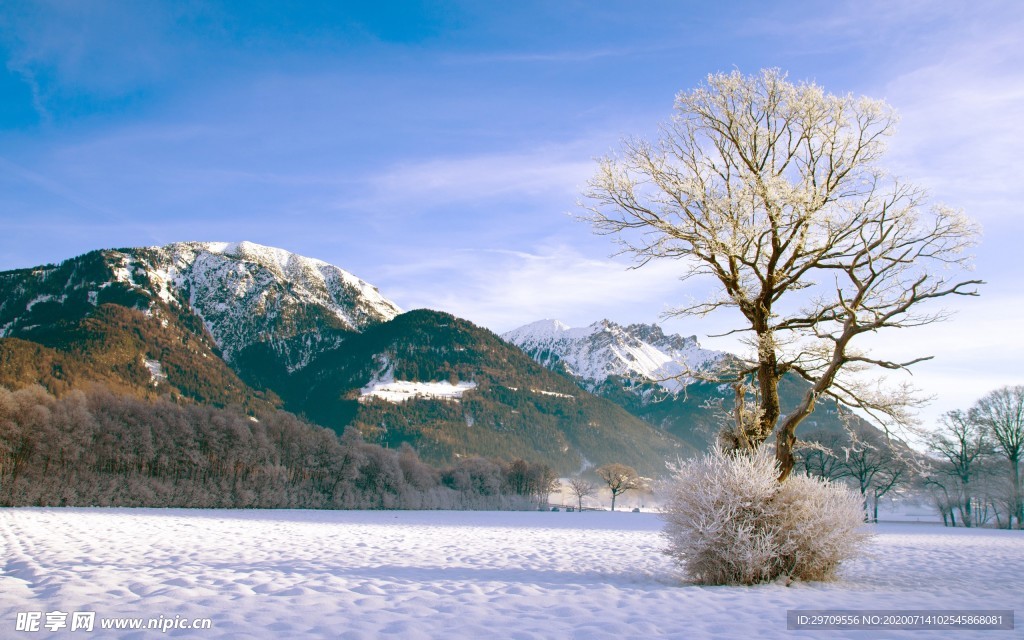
point(771, 409)
point(1018, 503)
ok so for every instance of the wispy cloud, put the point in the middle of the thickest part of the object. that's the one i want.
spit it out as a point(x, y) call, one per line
point(505, 289)
point(961, 123)
point(543, 171)
point(100, 49)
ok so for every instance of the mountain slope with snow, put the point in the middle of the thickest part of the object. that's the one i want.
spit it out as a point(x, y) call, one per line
point(248, 293)
point(643, 370)
point(245, 294)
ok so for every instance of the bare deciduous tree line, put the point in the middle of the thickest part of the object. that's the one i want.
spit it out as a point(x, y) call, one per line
point(971, 473)
point(95, 448)
point(976, 474)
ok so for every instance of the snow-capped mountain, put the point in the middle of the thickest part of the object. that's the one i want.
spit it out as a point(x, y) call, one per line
point(246, 294)
point(591, 354)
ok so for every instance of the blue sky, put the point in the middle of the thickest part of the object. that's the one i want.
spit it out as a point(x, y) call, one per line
point(438, 149)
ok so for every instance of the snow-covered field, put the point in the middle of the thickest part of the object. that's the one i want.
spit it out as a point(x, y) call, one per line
point(404, 575)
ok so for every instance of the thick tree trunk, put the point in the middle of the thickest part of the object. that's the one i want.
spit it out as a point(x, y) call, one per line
point(768, 383)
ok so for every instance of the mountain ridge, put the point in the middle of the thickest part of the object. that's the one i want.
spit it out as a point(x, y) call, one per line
point(251, 326)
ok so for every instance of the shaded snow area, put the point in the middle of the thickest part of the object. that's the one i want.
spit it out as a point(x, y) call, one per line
point(407, 575)
point(402, 390)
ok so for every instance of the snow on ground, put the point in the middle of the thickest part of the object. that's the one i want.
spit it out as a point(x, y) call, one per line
point(407, 575)
point(402, 390)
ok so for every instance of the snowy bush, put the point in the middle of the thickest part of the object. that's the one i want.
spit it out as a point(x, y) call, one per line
point(729, 521)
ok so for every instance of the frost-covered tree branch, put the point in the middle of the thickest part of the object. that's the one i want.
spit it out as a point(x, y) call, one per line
point(772, 189)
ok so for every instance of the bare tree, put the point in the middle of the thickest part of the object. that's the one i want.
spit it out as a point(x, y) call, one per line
point(962, 443)
point(620, 478)
point(543, 480)
point(937, 486)
point(773, 191)
point(820, 455)
point(868, 461)
point(581, 488)
point(1002, 413)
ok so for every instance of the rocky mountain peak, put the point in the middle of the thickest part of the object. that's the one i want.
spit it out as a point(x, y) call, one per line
point(605, 348)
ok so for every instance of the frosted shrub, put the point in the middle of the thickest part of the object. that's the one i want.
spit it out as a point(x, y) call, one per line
point(729, 521)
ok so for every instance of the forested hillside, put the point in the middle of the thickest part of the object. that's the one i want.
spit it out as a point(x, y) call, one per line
point(516, 408)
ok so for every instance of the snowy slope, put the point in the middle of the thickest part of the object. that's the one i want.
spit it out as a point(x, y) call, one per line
point(603, 349)
point(387, 574)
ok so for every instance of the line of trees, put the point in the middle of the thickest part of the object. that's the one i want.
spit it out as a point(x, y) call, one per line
point(976, 474)
point(971, 473)
point(97, 448)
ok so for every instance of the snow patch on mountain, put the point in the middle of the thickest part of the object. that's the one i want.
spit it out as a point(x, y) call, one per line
point(554, 394)
point(385, 387)
point(604, 349)
point(156, 371)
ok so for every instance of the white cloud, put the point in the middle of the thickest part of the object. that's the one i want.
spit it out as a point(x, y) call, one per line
point(506, 289)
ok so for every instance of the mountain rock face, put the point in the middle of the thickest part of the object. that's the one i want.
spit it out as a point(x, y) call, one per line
point(245, 293)
point(248, 294)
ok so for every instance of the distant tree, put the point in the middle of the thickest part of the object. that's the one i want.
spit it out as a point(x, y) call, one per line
point(821, 455)
point(543, 480)
point(1001, 412)
point(774, 191)
point(962, 445)
point(620, 478)
point(945, 501)
point(868, 461)
point(517, 477)
point(875, 469)
point(105, 449)
point(581, 488)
